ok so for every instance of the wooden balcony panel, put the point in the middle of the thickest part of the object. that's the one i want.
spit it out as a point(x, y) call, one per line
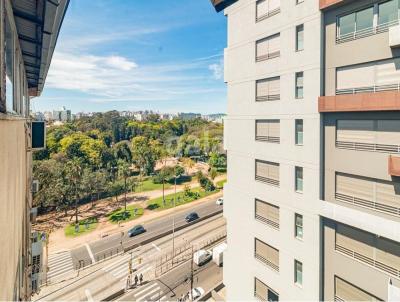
point(327, 3)
point(394, 165)
point(374, 101)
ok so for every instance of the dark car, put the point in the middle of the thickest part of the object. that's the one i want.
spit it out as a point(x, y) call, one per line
point(191, 217)
point(136, 230)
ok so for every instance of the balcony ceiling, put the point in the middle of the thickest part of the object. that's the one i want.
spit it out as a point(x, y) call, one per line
point(221, 4)
point(38, 24)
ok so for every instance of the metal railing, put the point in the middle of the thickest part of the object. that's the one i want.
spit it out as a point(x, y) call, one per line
point(268, 56)
point(269, 14)
point(267, 180)
point(266, 261)
point(271, 139)
point(267, 221)
point(368, 147)
point(271, 97)
point(358, 34)
point(367, 260)
point(368, 204)
point(369, 89)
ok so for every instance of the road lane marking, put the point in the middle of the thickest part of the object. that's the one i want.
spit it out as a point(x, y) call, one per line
point(154, 290)
point(144, 290)
point(90, 253)
point(88, 295)
point(156, 247)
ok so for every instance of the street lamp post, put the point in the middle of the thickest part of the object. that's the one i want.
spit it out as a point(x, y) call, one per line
point(173, 224)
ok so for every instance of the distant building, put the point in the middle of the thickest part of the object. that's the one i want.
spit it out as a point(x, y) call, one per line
point(62, 115)
point(48, 116)
point(217, 117)
point(188, 116)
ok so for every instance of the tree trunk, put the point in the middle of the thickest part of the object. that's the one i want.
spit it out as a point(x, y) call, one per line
point(163, 198)
point(76, 210)
point(125, 191)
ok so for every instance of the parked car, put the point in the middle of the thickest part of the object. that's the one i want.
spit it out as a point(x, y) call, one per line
point(220, 201)
point(197, 292)
point(202, 257)
point(191, 217)
point(136, 230)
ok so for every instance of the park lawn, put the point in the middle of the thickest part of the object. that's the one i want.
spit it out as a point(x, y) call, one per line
point(69, 230)
point(118, 215)
point(148, 185)
point(157, 203)
point(220, 184)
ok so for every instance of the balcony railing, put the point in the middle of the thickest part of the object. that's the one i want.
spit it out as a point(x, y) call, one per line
point(271, 97)
point(358, 34)
point(267, 180)
point(338, 299)
point(368, 147)
point(368, 204)
point(269, 14)
point(268, 221)
point(266, 261)
point(271, 139)
point(369, 89)
point(268, 56)
point(367, 260)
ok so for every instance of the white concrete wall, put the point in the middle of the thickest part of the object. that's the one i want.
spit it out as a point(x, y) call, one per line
point(241, 71)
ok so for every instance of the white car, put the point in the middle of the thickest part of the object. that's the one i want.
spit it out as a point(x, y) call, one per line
point(220, 201)
point(197, 293)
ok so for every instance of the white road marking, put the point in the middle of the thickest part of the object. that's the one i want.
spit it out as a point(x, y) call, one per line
point(88, 295)
point(156, 247)
point(90, 253)
point(144, 290)
point(154, 290)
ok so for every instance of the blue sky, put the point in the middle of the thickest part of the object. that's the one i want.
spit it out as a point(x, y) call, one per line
point(163, 55)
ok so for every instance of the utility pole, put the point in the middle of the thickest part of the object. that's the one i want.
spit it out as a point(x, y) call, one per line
point(173, 223)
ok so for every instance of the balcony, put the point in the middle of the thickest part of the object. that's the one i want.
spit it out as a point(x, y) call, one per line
point(394, 165)
point(363, 101)
point(323, 4)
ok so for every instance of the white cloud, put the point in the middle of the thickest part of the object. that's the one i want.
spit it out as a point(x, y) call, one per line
point(217, 69)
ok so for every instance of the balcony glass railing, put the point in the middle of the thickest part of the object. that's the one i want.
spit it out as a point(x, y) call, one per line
point(369, 89)
point(268, 56)
point(268, 14)
point(358, 34)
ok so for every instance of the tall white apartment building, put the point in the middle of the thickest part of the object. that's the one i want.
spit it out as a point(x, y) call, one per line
point(272, 71)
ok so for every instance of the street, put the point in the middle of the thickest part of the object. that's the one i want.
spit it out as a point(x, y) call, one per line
point(110, 276)
point(68, 261)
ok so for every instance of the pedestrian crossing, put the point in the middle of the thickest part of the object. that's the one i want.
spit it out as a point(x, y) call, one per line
point(59, 264)
point(119, 269)
point(150, 292)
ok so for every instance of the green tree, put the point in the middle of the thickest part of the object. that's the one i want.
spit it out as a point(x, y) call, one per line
point(124, 172)
point(144, 154)
point(213, 173)
point(122, 151)
point(74, 173)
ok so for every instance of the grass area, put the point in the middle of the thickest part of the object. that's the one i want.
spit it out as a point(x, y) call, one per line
point(148, 185)
point(196, 193)
point(85, 226)
point(220, 184)
point(130, 214)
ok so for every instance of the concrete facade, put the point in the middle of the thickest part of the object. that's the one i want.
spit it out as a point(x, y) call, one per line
point(241, 73)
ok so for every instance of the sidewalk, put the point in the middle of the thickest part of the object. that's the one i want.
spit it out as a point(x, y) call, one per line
point(58, 241)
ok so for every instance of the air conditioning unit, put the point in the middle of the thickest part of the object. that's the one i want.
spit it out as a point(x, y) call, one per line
point(35, 186)
point(38, 135)
point(394, 36)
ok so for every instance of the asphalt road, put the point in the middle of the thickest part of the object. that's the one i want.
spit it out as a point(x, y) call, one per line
point(110, 245)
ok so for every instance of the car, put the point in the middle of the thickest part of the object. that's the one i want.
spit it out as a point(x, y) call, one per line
point(220, 201)
point(191, 217)
point(136, 230)
point(197, 292)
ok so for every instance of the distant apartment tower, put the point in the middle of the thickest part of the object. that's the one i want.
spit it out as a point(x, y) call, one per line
point(28, 34)
point(62, 115)
point(313, 141)
point(188, 115)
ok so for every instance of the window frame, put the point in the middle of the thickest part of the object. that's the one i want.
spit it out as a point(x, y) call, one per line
point(297, 88)
point(296, 187)
point(296, 226)
point(297, 32)
point(296, 279)
point(296, 133)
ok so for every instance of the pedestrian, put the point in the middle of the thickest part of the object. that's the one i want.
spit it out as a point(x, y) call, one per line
point(141, 278)
point(136, 280)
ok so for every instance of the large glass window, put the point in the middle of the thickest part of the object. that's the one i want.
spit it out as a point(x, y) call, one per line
point(365, 18)
point(388, 12)
point(346, 24)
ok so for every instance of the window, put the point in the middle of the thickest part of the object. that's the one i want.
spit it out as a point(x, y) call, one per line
point(368, 77)
point(299, 37)
point(298, 272)
point(299, 85)
point(267, 254)
point(299, 179)
point(267, 213)
point(298, 220)
point(9, 60)
point(268, 89)
point(268, 48)
point(345, 291)
point(380, 195)
point(268, 130)
point(267, 172)
point(368, 248)
point(299, 132)
point(388, 12)
point(267, 8)
point(369, 135)
point(263, 292)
